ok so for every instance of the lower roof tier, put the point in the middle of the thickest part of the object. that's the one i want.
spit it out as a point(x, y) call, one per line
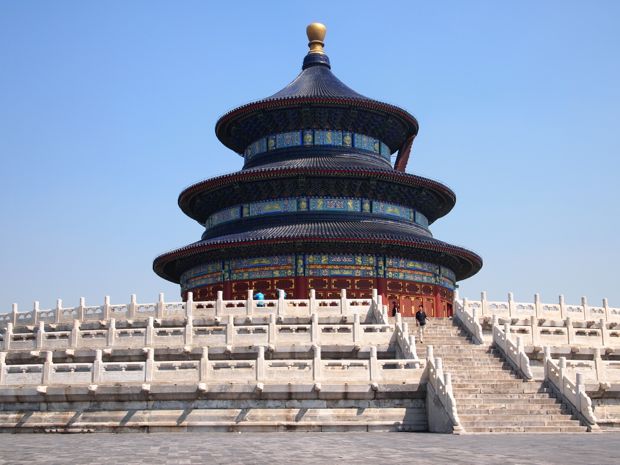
point(376, 236)
point(429, 197)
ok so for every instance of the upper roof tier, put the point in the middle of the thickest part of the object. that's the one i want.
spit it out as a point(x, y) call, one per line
point(317, 100)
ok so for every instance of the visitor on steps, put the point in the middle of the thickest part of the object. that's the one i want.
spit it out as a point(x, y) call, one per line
point(395, 308)
point(420, 321)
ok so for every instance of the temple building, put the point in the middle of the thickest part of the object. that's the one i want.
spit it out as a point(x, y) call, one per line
point(319, 203)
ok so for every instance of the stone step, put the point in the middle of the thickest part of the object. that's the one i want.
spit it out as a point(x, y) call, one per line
point(516, 419)
point(526, 429)
point(495, 389)
point(516, 409)
point(533, 421)
point(494, 384)
point(492, 398)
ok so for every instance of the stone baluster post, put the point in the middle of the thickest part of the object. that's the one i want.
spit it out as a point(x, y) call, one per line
point(580, 387)
point(484, 304)
point(204, 365)
point(230, 330)
point(2, 368)
point(312, 303)
point(439, 367)
point(149, 367)
point(584, 306)
point(14, 316)
point(249, 303)
point(511, 304)
point(40, 335)
point(260, 364)
point(344, 303)
point(546, 359)
point(599, 365)
point(316, 364)
point(537, 306)
point(35, 312)
point(569, 330)
point(562, 306)
point(150, 332)
point(373, 365)
point(98, 366)
point(520, 350)
point(429, 353)
point(398, 321)
point(75, 334)
point(112, 332)
point(189, 332)
point(507, 331)
point(494, 321)
point(357, 329)
point(132, 307)
point(80, 312)
point(414, 350)
point(106, 308)
point(8, 336)
point(219, 303)
point(562, 366)
point(272, 331)
point(405, 327)
point(447, 380)
point(161, 306)
point(189, 307)
point(281, 303)
point(465, 304)
point(48, 368)
point(534, 330)
point(315, 331)
point(604, 333)
point(606, 308)
point(58, 311)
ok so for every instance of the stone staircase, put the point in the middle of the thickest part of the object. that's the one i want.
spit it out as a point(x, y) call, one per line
point(489, 395)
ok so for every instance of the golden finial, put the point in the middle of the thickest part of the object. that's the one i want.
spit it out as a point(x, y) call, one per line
point(316, 35)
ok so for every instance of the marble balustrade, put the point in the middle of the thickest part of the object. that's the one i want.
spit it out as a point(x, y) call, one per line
point(206, 370)
point(135, 311)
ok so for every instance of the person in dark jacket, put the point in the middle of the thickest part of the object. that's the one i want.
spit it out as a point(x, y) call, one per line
point(395, 309)
point(420, 321)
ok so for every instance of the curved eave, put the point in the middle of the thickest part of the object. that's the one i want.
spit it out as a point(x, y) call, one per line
point(470, 263)
point(203, 187)
point(223, 125)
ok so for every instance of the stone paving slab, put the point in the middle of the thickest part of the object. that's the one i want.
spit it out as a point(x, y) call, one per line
point(310, 448)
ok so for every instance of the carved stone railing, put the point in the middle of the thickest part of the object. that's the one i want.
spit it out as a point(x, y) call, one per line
point(439, 390)
point(404, 340)
point(541, 332)
point(135, 311)
point(229, 332)
point(572, 393)
point(513, 353)
point(550, 311)
point(255, 370)
point(469, 322)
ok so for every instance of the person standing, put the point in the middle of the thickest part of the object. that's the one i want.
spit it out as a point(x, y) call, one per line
point(395, 308)
point(420, 321)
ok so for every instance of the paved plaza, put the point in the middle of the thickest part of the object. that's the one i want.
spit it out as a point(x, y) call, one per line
point(302, 448)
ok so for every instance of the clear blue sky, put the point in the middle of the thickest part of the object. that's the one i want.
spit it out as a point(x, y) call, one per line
point(107, 111)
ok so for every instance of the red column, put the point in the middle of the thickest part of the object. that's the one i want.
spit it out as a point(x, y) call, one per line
point(438, 304)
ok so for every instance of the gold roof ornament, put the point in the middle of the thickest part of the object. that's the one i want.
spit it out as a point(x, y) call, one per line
point(316, 35)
